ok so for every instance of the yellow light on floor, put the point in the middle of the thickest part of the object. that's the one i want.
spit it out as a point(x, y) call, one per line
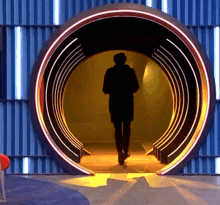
point(102, 179)
point(90, 181)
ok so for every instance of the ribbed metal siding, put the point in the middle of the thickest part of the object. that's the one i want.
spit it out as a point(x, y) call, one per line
point(72, 8)
point(26, 12)
point(18, 140)
point(204, 162)
point(33, 39)
point(40, 12)
point(195, 12)
point(205, 35)
point(16, 132)
point(38, 165)
point(200, 165)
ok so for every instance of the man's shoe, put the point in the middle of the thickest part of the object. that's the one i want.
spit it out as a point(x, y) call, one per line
point(126, 155)
point(121, 159)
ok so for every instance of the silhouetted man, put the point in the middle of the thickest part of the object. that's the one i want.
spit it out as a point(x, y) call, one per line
point(120, 83)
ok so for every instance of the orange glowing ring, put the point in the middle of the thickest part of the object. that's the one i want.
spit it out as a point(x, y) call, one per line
point(206, 88)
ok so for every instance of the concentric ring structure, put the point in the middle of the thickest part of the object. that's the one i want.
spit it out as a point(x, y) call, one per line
point(125, 27)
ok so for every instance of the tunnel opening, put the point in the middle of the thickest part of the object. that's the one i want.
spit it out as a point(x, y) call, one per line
point(87, 115)
point(132, 28)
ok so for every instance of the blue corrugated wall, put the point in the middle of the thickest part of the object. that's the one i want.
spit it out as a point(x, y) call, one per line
point(36, 20)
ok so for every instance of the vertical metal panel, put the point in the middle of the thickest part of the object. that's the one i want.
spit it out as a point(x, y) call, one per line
point(157, 4)
point(24, 124)
point(2, 128)
point(200, 165)
point(195, 12)
point(172, 10)
point(2, 78)
point(47, 167)
point(33, 39)
point(17, 135)
point(31, 12)
point(14, 140)
point(1, 12)
point(205, 35)
point(40, 12)
point(16, 128)
point(9, 15)
point(70, 8)
point(181, 10)
point(8, 134)
point(9, 61)
point(16, 16)
point(208, 151)
point(26, 12)
point(188, 12)
point(215, 131)
point(211, 147)
point(48, 12)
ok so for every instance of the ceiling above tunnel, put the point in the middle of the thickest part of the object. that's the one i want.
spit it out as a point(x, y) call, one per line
point(126, 33)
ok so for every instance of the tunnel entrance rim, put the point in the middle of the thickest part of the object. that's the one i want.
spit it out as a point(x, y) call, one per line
point(123, 10)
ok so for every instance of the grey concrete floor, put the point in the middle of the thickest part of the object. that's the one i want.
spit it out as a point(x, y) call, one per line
point(136, 183)
point(141, 188)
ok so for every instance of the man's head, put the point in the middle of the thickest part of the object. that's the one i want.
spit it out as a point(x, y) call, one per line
point(120, 59)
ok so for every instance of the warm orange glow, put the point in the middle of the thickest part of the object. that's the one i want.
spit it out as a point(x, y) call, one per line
point(88, 116)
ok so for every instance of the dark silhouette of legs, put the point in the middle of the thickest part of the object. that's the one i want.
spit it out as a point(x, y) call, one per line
point(122, 139)
point(126, 137)
point(119, 141)
point(118, 136)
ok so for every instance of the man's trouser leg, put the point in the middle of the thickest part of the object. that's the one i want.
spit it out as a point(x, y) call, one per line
point(126, 136)
point(118, 136)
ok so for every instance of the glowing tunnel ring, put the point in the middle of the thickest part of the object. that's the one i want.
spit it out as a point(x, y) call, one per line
point(180, 109)
point(67, 141)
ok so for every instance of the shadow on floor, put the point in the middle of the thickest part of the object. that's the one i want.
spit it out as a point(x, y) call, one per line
point(142, 189)
point(21, 190)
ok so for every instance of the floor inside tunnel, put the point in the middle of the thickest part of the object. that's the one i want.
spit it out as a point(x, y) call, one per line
point(104, 159)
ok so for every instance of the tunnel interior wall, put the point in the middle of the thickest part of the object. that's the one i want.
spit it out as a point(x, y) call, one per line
point(86, 106)
point(34, 24)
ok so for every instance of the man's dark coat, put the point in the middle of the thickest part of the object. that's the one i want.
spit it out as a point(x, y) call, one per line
point(121, 82)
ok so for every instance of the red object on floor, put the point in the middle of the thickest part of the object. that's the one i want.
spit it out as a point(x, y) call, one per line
point(5, 162)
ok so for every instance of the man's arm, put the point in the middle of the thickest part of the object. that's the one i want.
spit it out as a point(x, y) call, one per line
point(106, 86)
point(135, 82)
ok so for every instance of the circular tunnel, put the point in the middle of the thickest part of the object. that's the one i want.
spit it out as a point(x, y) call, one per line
point(133, 28)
